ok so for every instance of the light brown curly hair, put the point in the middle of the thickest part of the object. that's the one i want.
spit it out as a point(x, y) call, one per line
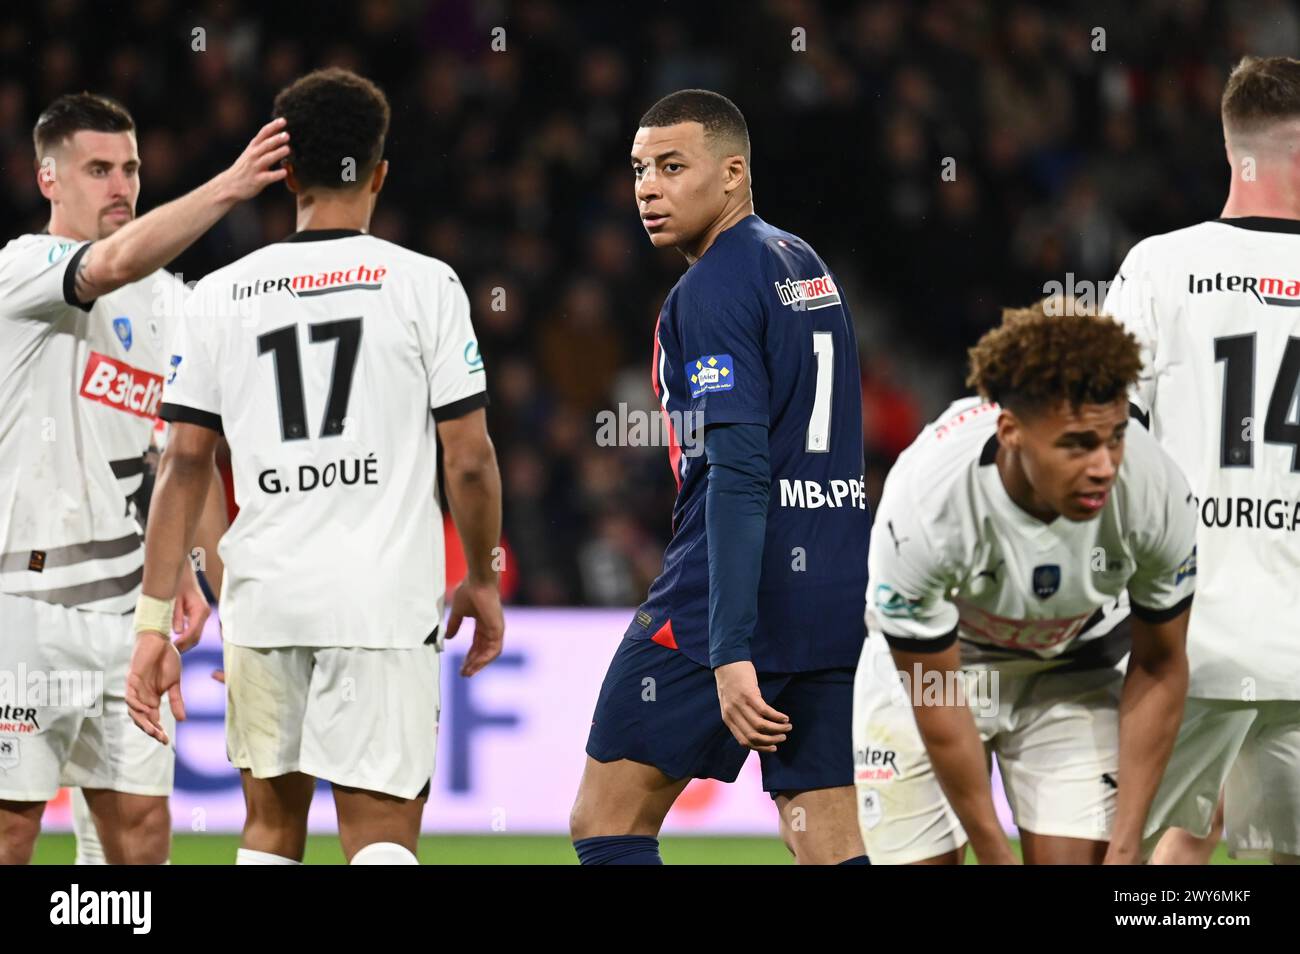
point(1045, 354)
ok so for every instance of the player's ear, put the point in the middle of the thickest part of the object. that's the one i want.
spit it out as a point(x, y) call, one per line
point(1008, 430)
point(290, 180)
point(46, 179)
point(735, 172)
point(380, 174)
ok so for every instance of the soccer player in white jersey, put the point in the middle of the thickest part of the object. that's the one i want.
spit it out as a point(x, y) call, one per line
point(85, 316)
point(1216, 308)
point(1007, 536)
point(353, 357)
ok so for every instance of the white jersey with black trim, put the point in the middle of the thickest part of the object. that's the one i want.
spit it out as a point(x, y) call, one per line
point(952, 555)
point(326, 360)
point(80, 387)
point(1216, 308)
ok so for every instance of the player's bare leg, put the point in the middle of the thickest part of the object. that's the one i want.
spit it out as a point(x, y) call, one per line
point(1057, 850)
point(276, 822)
point(820, 826)
point(622, 798)
point(134, 829)
point(368, 818)
point(20, 823)
point(1180, 847)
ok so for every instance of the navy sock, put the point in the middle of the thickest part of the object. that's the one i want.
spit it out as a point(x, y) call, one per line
point(618, 850)
point(859, 860)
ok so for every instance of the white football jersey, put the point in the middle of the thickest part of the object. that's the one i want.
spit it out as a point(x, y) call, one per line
point(80, 388)
point(326, 360)
point(1216, 308)
point(952, 555)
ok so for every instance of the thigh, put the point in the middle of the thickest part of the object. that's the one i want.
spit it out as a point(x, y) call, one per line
point(903, 815)
point(37, 640)
point(371, 721)
point(1262, 798)
point(659, 708)
point(134, 829)
point(1059, 753)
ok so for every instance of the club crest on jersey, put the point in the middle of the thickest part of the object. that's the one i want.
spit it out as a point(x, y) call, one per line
point(808, 294)
point(176, 366)
point(122, 328)
point(1046, 580)
point(711, 372)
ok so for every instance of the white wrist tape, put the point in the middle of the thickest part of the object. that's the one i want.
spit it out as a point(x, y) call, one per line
point(153, 615)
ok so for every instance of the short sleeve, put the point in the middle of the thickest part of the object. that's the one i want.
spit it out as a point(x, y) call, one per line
point(1165, 548)
point(1131, 301)
point(191, 390)
point(722, 340)
point(38, 276)
point(449, 346)
point(907, 588)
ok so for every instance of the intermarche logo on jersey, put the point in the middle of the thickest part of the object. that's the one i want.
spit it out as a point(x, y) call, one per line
point(121, 386)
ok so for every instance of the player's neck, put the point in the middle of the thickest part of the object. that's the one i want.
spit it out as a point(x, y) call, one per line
point(1266, 197)
point(350, 212)
point(63, 229)
point(724, 222)
point(1018, 488)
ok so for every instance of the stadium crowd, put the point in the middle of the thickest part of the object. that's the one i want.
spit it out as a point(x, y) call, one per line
point(1011, 145)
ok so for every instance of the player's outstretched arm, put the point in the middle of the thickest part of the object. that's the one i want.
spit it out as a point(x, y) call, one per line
point(473, 485)
point(142, 247)
point(184, 474)
point(1150, 710)
point(957, 754)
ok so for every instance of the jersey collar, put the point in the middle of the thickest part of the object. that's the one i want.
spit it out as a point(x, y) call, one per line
point(1263, 223)
point(321, 235)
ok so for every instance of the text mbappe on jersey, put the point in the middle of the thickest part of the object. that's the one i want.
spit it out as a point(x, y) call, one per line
point(345, 472)
point(811, 495)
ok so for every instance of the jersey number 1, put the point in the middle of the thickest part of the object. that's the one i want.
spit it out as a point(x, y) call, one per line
point(283, 344)
point(1237, 352)
point(819, 422)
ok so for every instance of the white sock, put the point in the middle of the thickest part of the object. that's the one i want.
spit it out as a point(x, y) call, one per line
point(90, 850)
point(247, 856)
point(384, 853)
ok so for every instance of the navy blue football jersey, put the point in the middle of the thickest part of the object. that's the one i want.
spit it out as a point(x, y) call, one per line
point(757, 332)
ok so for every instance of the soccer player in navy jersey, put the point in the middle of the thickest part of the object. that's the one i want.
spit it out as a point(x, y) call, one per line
point(750, 635)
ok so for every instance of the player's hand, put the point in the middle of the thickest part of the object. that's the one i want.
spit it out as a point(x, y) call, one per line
point(155, 670)
point(254, 170)
point(482, 601)
point(754, 723)
point(189, 612)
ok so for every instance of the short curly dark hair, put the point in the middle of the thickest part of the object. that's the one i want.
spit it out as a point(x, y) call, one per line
point(1039, 358)
point(332, 116)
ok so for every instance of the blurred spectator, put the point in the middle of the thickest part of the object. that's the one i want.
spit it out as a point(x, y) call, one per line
point(947, 157)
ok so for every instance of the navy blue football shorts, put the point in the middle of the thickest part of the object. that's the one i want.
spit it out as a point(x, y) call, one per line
point(675, 724)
